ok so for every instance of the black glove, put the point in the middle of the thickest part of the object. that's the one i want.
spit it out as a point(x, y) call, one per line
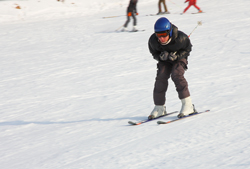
point(173, 56)
point(164, 56)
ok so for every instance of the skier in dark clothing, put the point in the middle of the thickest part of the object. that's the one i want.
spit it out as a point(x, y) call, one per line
point(171, 48)
point(131, 12)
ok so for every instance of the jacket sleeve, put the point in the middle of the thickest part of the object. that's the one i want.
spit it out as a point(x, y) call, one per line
point(155, 53)
point(132, 6)
point(186, 48)
point(135, 3)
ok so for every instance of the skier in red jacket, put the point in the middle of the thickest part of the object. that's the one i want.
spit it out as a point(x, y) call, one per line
point(192, 2)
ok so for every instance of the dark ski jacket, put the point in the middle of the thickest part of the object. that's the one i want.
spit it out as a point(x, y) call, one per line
point(132, 6)
point(180, 43)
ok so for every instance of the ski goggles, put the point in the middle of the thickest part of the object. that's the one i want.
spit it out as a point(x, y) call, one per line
point(164, 34)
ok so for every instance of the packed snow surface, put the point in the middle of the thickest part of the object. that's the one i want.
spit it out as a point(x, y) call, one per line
point(69, 84)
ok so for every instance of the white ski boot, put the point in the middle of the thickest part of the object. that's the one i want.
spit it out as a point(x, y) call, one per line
point(160, 13)
point(187, 107)
point(166, 12)
point(134, 29)
point(124, 29)
point(158, 111)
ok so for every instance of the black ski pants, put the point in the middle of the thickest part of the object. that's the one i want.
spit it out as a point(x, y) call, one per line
point(176, 71)
point(128, 20)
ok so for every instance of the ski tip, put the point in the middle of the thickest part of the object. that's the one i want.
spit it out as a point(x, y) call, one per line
point(130, 122)
point(133, 123)
point(161, 122)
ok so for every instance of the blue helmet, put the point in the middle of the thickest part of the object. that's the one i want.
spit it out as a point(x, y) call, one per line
point(163, 25)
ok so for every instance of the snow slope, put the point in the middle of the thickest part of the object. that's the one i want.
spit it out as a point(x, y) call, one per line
point(69, 84)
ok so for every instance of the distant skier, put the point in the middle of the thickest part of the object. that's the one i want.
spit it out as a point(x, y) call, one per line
point(165, 7)
point(131, 11)
point(192, 2)
point(171, 48)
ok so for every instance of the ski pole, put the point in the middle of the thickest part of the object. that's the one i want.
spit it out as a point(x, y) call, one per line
point(174, 3)
point(112, 16)
point(118, 28)
point(199, 23)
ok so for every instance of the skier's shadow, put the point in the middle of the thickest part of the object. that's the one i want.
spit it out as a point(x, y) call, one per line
point(20, 122)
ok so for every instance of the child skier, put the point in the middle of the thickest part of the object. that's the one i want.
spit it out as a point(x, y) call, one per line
point(192, 2)
point(171, 48)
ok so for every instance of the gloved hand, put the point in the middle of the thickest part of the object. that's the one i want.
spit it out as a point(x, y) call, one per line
point(130, 14)
point(164, 56)
point(186, 1)
point(173, 56)
point(137, 13)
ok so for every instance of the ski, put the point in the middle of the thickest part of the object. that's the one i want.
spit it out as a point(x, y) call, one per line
point(163, 13)
point(148, 120)
point(138, 30)
point(141, 30)
point(167, 122)
point(105, 17)
point(197, 12)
